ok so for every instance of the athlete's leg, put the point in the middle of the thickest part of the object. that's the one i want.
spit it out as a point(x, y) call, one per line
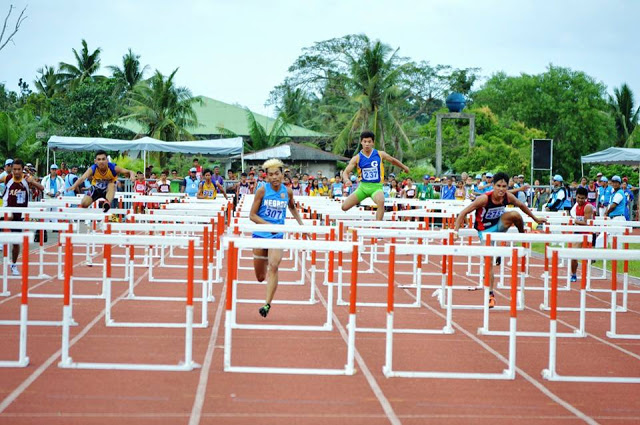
point(351, 201)
point(378, 198)
point(260, 264)
point(275, 257)
point(15, 253)
point(574, 265)
point(111, 192)
point(86, 201)
point(512, 218)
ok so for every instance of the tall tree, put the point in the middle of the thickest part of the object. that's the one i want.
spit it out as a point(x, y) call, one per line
point(131, 72)
point(568, 106)
point(164, 110)
point(86, 66)
point(48, 81)
point(261, 138)
point(624, 113)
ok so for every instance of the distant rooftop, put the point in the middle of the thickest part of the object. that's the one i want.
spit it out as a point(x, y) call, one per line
point(214, 117)
point(294, 152)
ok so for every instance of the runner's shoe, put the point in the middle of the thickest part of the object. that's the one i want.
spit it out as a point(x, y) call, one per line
point(264, 310)
point(574, 278)
point(492, 300)
point(14, 270)
point(106, 207)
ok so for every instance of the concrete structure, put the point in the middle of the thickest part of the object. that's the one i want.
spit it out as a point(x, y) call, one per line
point(452, 116)
point(304, 159)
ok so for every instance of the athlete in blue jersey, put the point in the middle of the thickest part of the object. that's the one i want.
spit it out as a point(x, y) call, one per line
point(371, 171)
point(104, 175)
point(269, 206)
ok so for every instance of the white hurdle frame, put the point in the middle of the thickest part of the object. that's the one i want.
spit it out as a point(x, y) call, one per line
point(24, 238)
point(230, 313)
point(109, 240)
point(550, 373)
point(449, 252)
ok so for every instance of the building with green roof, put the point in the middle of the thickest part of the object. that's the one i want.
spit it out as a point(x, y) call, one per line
point(218, 119)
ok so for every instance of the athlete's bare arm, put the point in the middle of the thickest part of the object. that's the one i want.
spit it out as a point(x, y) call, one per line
point(349, 168)
point(255, 207)
point(514, 201)
point(200, 194)
point(33, 182)
point(588, 215)
point(81, 179)
point(222, 190)
point(292, 207)
point(385, 156)
point(479, 202)
point(120, 170)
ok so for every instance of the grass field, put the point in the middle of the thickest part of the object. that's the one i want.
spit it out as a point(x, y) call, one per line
point(634, 266)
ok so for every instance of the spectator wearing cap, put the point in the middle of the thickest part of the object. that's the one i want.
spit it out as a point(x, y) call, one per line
point(598, 177)
point(53, 183)
point(191, 183)
point(448, 190)
point(630, 198)
point(488, 186)
point(425, 190)
point(604, 195)
point(559, 199)
point(3, 176)
point(618, 206)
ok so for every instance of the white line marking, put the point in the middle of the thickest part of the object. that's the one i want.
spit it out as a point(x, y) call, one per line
point(43, 367)
point(525, 375)
point(198, 403)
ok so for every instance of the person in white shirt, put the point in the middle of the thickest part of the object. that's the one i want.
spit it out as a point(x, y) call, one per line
point(53, 183)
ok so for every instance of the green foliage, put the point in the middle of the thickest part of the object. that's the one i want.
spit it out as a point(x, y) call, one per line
point(568, 106)
point(164, 110)
point(86, 65)
point(86, 110)
point(260, 138)
point(624, 113)
point(610, 171)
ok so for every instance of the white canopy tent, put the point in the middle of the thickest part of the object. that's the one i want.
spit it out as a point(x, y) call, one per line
point(216, 147)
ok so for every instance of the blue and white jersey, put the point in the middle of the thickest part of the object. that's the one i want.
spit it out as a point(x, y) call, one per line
point(273, 209)
point(604, 195)
point(370, 167)
point(191, 186)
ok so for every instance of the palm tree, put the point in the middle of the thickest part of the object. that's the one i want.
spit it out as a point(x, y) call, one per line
point(260, 139)
point(130, 74)
point(374, 79)
point(626, 118)
point(87, 64)
point(48, 83)
point(164, 110)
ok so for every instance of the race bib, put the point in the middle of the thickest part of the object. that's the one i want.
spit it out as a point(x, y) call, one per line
point(274, 213)
point(370, 174)
point(493, 213)
point(21, 197)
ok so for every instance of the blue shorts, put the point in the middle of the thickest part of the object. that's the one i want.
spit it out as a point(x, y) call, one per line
point(496, 228)
point(267, 235)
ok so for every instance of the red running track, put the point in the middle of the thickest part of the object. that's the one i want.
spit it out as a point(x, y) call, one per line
point(45, 394)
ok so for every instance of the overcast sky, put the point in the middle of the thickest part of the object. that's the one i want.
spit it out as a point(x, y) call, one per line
point(237, 51)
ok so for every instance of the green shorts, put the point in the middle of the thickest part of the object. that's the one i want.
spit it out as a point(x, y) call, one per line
point(367, 190)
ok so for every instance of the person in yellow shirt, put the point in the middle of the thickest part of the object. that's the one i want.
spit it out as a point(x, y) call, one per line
point(315, 188)
point(208, 189)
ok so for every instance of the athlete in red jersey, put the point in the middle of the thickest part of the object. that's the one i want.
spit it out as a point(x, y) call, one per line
point(491, 215)
point(582, 211)
point(16, 194)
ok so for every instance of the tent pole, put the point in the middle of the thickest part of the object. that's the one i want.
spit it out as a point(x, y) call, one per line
point(54, 157)
point(48, 165)
point(144, 162)
point(582, 169)
point(242, 159)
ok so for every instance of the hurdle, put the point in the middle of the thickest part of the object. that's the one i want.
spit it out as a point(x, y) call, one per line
point(551, 373)
point(35, 227)
point(230, 308)
point(23, 238)
point(107, 241)
point(624, 241)
point(449, 252)
point(313, 232)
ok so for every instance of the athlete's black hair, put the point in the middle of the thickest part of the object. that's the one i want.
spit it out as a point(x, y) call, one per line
point(98, 153)
point(243, 175)
point(366, 134)
point(18, 161)
point(207, 171)
point(500, 176)
point(582, 191)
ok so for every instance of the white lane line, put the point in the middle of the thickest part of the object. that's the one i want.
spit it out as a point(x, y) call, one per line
point(43, 367)
point(373, 384)
point(198, 403)
point(525, 375)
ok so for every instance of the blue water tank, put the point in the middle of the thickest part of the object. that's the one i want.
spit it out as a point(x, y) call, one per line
point(456, 102)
